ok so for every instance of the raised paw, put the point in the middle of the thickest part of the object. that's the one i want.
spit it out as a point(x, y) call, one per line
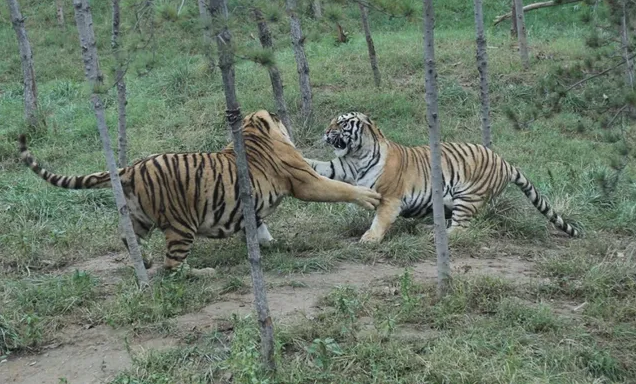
point(367, 197)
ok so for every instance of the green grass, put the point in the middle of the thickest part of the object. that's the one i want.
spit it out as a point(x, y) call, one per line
point(487, 330)
point(33, 309)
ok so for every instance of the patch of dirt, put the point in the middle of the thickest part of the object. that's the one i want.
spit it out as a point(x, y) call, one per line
point(287, 302)
point(107, 268)
point(87, 356)
point(96, 355)
point(102, 266)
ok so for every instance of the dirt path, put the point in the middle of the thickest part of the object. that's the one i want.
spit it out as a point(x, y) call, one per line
point(96, 355)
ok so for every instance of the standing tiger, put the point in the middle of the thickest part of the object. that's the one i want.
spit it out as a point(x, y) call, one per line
point(472, 175)
point(188, 194)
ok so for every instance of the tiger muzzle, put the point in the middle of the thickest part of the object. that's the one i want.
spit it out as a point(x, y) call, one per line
point(335, 140)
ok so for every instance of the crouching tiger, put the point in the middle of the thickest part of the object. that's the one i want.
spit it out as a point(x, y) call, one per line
point(188, 194)
point(472, 174)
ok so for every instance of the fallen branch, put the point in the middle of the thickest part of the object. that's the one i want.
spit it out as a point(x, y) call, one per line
point(530, 7)
point(598, 74)
point(616, 115)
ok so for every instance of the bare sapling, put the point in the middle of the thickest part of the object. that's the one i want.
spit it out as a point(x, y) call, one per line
point(233, 114)
point(441, 237)
point(84, 21)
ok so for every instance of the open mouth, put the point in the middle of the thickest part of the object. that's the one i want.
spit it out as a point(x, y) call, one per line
point(339, 143)
point(336, 141)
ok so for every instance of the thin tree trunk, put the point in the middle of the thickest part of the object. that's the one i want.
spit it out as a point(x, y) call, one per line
point(364, 14)
point(218, 8)
point(513, 23)
point(206, 21)
point(121, 88)
point(265, 36)
point(521, 32)
point(298, 41)
point(441, 237)
point(233, 114)
point(31, 113)
point(316, 9)
point(59, 4)
point(84, 21)
point(482, 67)
point(629, 65)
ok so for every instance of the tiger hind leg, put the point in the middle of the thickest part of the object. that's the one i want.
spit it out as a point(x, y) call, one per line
point(464, 209)
point(179, 244)
point(141, 233)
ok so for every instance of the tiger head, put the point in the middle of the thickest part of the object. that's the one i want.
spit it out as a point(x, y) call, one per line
point(350, 132)
point(269, 124)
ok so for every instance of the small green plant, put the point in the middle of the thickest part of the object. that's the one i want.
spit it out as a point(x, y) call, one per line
point(32, 329)
point(406, 292)
point(347, 301)
point(232, 285)
point(386, 326)
point(322, 352)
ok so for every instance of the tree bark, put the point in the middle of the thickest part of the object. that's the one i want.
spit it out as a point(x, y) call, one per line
point(441, 237)
point(513, 24)
point(364, 14)
point(316, 9)
point(121, 88)
point(629, 65)
point(301, 59)
point(482, 67)
point(206, 21)
point(265, 37)
point(531, 7)
point(31, 113)
point(233, 114)
point(59, 4)
point(521, 34)
point(84, 21)
point(218, 8)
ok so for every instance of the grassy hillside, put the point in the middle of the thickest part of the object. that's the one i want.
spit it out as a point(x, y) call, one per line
point(490, 329)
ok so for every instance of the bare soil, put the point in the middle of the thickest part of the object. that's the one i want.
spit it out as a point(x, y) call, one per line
point(97, 354)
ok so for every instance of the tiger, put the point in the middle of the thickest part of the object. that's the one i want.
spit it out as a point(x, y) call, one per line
point(197, 194)
point(472, 176)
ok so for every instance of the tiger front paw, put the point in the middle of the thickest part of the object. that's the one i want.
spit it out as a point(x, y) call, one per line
point(370, 238)
point(367, 197)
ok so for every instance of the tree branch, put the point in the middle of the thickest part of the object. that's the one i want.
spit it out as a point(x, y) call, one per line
point(530, 7)
point(609, 124)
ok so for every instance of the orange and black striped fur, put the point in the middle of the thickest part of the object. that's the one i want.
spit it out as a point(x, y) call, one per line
point(188, 194)
point(472, 175)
